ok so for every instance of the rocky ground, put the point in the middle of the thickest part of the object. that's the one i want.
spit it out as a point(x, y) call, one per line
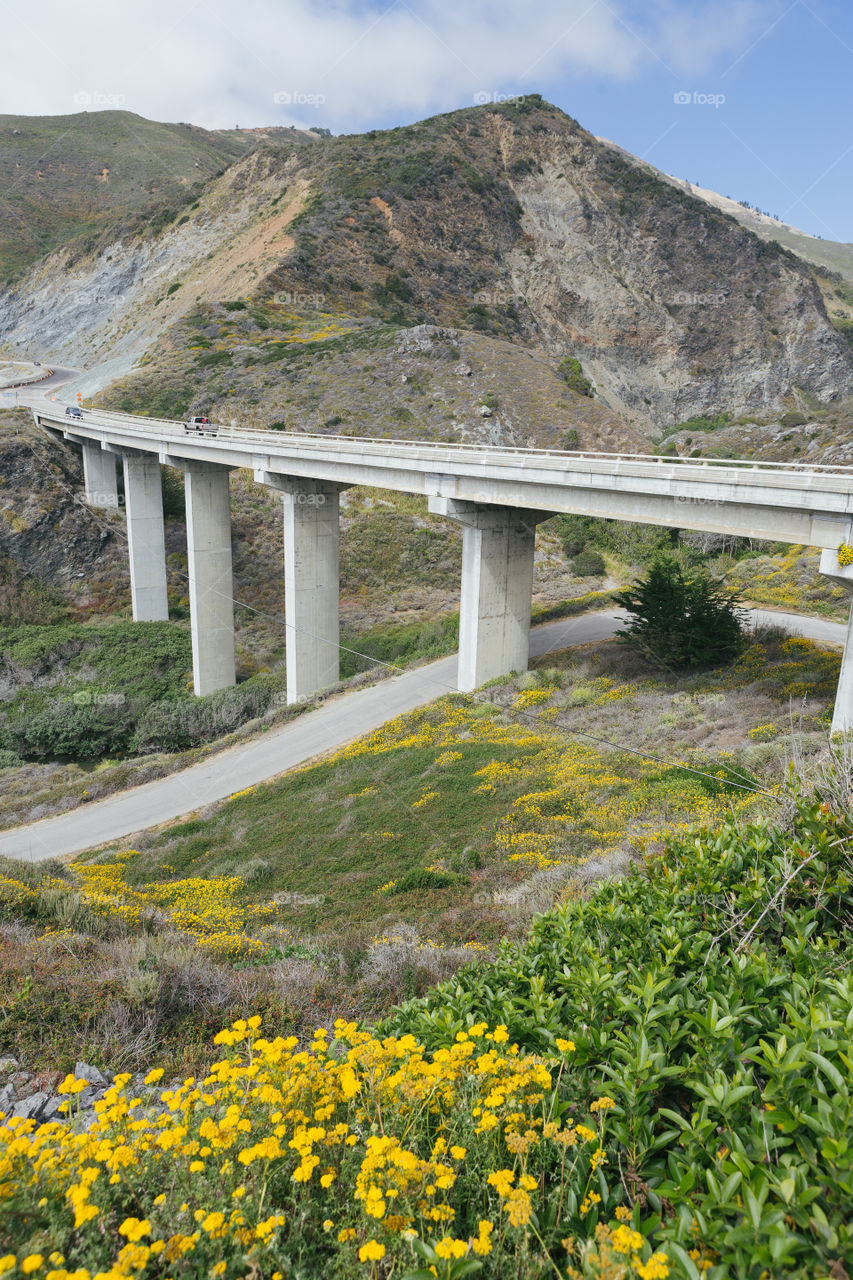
point(33, 1095)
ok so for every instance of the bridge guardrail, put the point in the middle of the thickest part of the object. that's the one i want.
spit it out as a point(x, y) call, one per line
point(478, 454)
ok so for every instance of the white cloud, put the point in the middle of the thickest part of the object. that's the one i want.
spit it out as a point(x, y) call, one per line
point(216, 63)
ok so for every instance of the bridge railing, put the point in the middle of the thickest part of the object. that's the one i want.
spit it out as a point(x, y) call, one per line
point(427, 449)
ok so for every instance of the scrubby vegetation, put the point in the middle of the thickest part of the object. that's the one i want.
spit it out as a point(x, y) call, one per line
point(652, 1083)
point(655, 1084)
point(709, 998)
point(85, 692)
point(428, 842)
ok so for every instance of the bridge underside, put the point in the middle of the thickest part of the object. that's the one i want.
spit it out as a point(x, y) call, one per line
point(497, 508)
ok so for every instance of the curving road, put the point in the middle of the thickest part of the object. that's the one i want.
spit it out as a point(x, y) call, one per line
point(35, 392)
point(338, 721)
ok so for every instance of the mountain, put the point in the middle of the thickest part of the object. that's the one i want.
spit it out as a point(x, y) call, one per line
point(508, 224)
point(64, 177)
point(829, 255)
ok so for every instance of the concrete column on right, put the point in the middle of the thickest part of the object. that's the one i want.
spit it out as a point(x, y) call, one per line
point(210, 575)
point(842, 715)
point(497, 587)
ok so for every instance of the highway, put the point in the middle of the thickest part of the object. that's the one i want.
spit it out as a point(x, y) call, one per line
point(336, 722)
point(805, 504)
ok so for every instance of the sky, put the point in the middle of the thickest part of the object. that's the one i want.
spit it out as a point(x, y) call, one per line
point(750, 98)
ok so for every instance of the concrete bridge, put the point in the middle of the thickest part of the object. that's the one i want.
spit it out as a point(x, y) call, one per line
point(496, 495)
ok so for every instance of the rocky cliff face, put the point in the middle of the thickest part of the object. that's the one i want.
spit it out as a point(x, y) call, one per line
point(673, 309)
point(46, 530)
point(510, 220)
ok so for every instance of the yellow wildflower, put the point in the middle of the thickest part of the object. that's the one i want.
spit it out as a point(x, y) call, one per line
point(373, 1251)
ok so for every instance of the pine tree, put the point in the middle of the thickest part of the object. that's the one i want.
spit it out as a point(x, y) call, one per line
point(682, 618)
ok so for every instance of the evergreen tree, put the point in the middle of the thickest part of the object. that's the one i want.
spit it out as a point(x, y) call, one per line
point(682, 618)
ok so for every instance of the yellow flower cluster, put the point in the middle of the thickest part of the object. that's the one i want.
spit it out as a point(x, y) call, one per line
point(531, 698)
point(763, 732)
point(614, 1252)
point(208, 910)
point(352, 1145)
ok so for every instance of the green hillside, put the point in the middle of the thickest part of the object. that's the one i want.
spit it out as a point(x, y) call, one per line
point(66, 176)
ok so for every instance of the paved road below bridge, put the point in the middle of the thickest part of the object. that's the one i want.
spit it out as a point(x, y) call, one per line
point(331, 726)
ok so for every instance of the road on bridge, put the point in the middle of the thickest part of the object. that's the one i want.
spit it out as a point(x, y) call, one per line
point(338, 721)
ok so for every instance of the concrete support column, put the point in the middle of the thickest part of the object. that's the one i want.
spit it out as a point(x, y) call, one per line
point(497, 587)
point(311, 582)
point(99, 476)
point(143, 498)
point(211, 582)
point(842, 715)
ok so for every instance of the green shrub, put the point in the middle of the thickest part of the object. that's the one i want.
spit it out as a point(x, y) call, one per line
point(65, 730)
point(178, 725)
point(423, 878)
point(701, 422)
point(588, 564)
point(573, 376)
point(682, 618)
point(633, 543)
point(709, 997)
point(174, 496)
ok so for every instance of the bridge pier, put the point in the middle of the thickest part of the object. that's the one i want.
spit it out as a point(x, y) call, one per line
point(311, 582)
point(842, 715)
point(143, 498)
point(99, 476)
point(211, 581)
point(497, 587)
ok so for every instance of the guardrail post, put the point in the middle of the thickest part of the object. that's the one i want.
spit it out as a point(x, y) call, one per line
point(842, 714)
point(210, 574)
point(311, 582)
point(143, 496)
point(497, 587)
point(99, 476)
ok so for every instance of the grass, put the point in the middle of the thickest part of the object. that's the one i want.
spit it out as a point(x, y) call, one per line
point(788, 578)
point(427, 842)
point(48, 167)
point(653, 1086)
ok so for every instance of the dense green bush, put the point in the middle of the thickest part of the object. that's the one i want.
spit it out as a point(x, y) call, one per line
point(174, 494)
point(682, 618)
point(710, 997)
point(633, 543)
point(178, 725)
point(67, 730)
point(424, 878)
point(92, 691)
point(588, 564)
point(573, 375)
point(149, 660)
